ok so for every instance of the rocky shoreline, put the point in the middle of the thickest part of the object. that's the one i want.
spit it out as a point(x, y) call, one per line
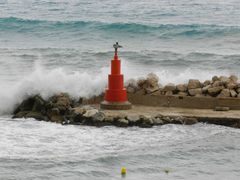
point(61, 108)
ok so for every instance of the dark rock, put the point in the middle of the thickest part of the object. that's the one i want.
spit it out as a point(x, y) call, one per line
point(55, 116)
point(122, 123)
point(190, 121)
point(166, 119)
point(98, 119)
point(36, 115)
point(39, 104)
point(20, 114)
point(177, 120)
point(26, 105)
point(145, 122)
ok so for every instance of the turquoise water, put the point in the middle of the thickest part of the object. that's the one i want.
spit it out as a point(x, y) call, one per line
point(66, 46)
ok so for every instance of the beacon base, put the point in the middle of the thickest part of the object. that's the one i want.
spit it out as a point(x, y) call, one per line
point(116, 105)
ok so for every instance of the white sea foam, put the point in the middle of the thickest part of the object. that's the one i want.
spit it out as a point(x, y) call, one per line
point(48, 82)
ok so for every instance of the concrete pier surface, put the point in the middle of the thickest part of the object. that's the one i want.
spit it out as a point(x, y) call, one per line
point(227, 118)
point(165, 111)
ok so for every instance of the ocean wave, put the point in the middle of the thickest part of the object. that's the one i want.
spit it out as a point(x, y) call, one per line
point(163, 30)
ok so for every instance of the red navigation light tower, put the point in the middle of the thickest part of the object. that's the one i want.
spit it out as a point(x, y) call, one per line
point(116, 94)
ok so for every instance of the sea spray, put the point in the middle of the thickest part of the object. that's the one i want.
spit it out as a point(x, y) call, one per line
point(48, 82)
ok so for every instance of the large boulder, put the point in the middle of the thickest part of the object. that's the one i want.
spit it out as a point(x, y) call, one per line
point(150, 90)
point(206, 83)
point(213, 91)
point(131, 86)
point(169, 87)
point(181, 87)
point(233, 78)
point(145, 121)
point(34, 103)
point(238, 90)
point(149, 85)
point(63, 102)
point(224, 79)
point(141, 83)
point(55, 116)
point(205, 89)
point(31, 105)
point(215, 78)
point(90, 113)
point(39, 104)
point(231, 85)
point(194, 92)
point(224, 93)
point(217, 83)
point(131, 89)
point(152, 80)
point(157, 121)
point(98, 119)
point(194, 84)
point(233, 93)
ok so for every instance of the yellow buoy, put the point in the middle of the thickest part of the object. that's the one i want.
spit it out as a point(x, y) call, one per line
point(123, 171)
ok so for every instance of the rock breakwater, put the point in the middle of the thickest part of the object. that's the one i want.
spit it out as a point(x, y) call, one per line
point(62, 109)
point(221, 87)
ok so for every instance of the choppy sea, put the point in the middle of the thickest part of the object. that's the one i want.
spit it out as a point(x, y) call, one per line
point(51, 46)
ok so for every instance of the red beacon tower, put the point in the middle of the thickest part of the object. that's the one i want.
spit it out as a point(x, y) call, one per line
point(116, 95)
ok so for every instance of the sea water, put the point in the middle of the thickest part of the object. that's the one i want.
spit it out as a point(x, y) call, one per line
point(56, 46)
